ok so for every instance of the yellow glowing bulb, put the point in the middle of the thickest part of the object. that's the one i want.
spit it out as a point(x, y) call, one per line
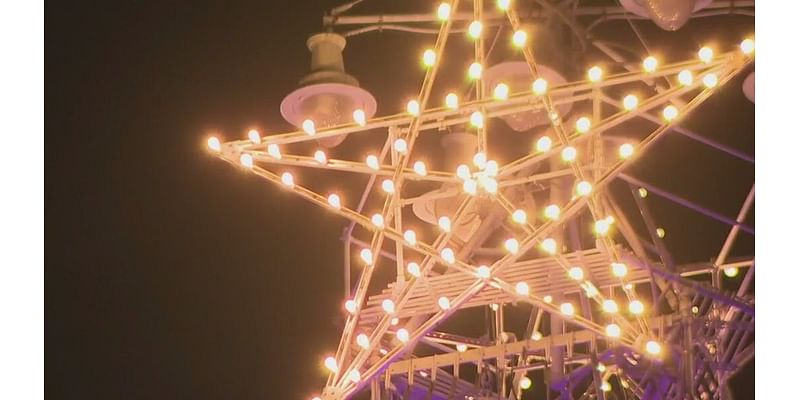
point(583, 124)
point(443, 12)
point(544, 144)
point(613, 330)
point(413, 269)
point(642, 192)
point(274, 151)
point(610, 306)
point(474, 29)
point(410, 237)
point(605, 386)
point(372, 162)
point(653, 347)
point(549, 245)
point(350, 306)
point(501, 91)
point(377, 220)
point(661, 232)
point(567, 309)
point(335, 201)
point(354, 376)
point(448, 255)
point(601, 367)
point(309, 128)
point(636, 307)
point(475, 70)
point(470, 186)
point(401, 146)
point(710, 80)
point(479, 160)
point(388, 306)
point(214, 144)
point(748, 46)
point(246, 160)
point(731, 272)
point(522, 288)
point(360, 117)
point(363, 341)
point(320, 157)
point(490, 184)
point(539, 86)
point(413, 107)
point(444, 303)
point(402, 335)
point(476, 119)
point(394, 321)
point(552, 212)
point(388, 186)
point(650, 64)
point(536, 336)
point(519, 216)
point(429, 58)
point(445, 224)
point(626, 150)
point(491, 168)
point(451, 101)
point(462, 171)
point(331, 365)
point(583, 188)
point(601, 227)
point(630, 102)
point(705, 54)
point(503, 4)
point(254, 136)
point(287, 179)
point(685, 77)
point(483, 272)
point(420, 169)
point(547, 299)
point(366, 256)
point(519, 38)
point(576, 273)
point(595, 74)
point(670, 112)
point(569, 154)
point(590, 289)
point(461, 347)
point(619, 269)
point(525, 383)
point(512, 245)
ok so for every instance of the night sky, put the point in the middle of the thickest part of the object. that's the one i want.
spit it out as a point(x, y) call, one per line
point(170, 274)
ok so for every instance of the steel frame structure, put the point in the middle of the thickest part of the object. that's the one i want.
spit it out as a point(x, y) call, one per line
point(693, 336)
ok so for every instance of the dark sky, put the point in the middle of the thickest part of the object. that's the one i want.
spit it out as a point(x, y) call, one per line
point(170, 274)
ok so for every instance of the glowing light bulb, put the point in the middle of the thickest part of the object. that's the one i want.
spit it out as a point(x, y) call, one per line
point(443, 12)
point(590, 290)
point(470, 186)
point(636, 307)
point(366, 256)
point(410, 237)
point(354, 376)
point(287, 179)
point(476, 119)
point(331, 365)
point(401, 146)
point(705, 54)
point(576, 273)
point(501, 91)
point(475, 70)
point(274, 151)
point(630, 102)
point(583, 188)
point(413, 269)
point(461, 347)
point(710, 80)
point(394, 321)
point(525, 383)
point(377, 220)
point(372, 162)
point(309, 128)
point(619, 269)
point(519, 38)
point(685, 77)
point(350, 306)
point(748, 46)
point(214, 144)
point(536, 336)
point(335, 201)
point(360, 117)
point(448, 255)
point(451, 101)
point(653, 347)
point(512, 245)
point(544, 144)
point(610, 306)
point(547, 299)
point(552, 212)
point(569, 153)
point(490, 184)
point(462, 171)
point(444, 303)
point(601, 367)
point(583, 124)
point(402, 335)
point(670, 112)
point(613, 330)
point(491, 168)
point(254, 136)
point(387, 186)
point(642, 192)
point(474, 29)
point(549, 245)
point(605, 386)
point(660, 232)
point(445, 224)
point(601, 227)
point(246, 160)
point(412, 107)
point(479, 160)
point(420, 169)
point(388, 306)
point(567, 309)
point(522, 289)
point(363, 341)
point(519, 216)
point(503, 4)
point(428, 59)
point(320, 157)
point(539, 86)
point(595, 74)
point(625, 150)
point(731, 272)
point(650, 64)
point(483, 272)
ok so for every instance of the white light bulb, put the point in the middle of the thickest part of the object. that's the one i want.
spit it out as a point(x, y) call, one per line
point(583, 124)
point(748, 46)
point(309, 128)
point(401, 146)
point(474, 29)
point(402, 335)
point(366, 256)
point(490, 184)
point(503, 4)
point(335, 201)
point(549, 245)
point(685, 77)
point(650, 64)
point(626, 150)
point(512, 245)
point(552, 212)
point(462, 171)
point(372, 162)
point(544, 144)
point(522, 289)
point(619, 269)
point(653, 347)
point(354, 376)
point(287, 179)
point(445, 224)
point(630, 102)
point(410, 237)
point(388, 186)
point(420, 169)
point(519, 216)
point(448, 255)
point(670, 112)
point(214, 144)
point(461, 347)
point(710, 80)
point(330, 364)
point(388, 306)
point(601, 227)
point(525, 383)
point(320, 157)
point(595, 74)
point(731, 272)
point(475, 70)
point(547, 299)
point(483, 272)
point(413, 107)
point(491, 168)
point(519, 38)
point(569, 154)
point(246, 160)
point(705, 54)
point(576, 273)
point(476, 119)
point(443, 12)
point(377, 220)
point(350, 306)
point(636, 307)
point(274, 151)
point(360, 117)
point(610, 306)
point(479, 160)
point(539, 86)
point(363, 341)
point(413, 269)
point(470, 186)
point(254, 136)
point(428, 59)
point(583, 188)
point(501, 91)
point(536, 336)
point(613, 330)
point(444, 303)
point(567, 309)
point(451, 101)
